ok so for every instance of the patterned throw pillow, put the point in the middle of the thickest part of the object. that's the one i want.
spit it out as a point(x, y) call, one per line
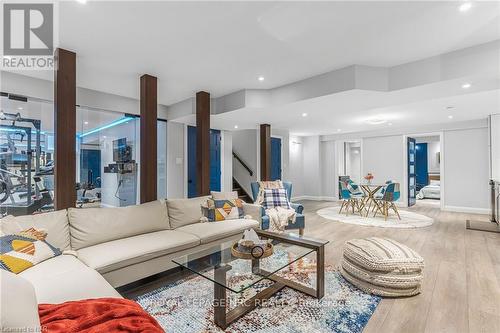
point(221, 210)
point(25, 249)
point(275, 197)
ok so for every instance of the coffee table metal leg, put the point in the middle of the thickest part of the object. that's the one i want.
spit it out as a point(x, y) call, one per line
point(220, 299)
point(320, 272)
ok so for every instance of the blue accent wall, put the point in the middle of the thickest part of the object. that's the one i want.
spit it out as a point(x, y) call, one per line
point(275, 158)
point(215, 161)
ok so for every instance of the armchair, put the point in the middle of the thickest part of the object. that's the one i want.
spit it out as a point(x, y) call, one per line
point(300, 218)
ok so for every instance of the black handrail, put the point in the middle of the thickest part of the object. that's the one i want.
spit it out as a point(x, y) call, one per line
point(243, 163)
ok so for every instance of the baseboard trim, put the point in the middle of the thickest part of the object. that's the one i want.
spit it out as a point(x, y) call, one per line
point(314, 198)
point(471, 210)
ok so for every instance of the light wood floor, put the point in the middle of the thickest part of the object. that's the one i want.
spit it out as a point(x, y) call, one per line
point(461, 288)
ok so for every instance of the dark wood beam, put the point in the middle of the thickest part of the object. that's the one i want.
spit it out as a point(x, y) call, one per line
point(265, 152)
point(149, 115)
point(203, 142)
point(65, 129)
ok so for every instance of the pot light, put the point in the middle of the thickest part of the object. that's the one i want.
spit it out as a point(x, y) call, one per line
point(20, 108)
point(466, 85)
point(376, 121)
point(390, 124)
point(304, 114)
point(450, 117)
point(465, 7)
point(85, 122)
point(236, 126)
point(82, 1)
point(339, 130)
point(260, 78)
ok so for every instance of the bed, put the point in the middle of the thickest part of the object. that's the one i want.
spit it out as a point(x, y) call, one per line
point(431, 191)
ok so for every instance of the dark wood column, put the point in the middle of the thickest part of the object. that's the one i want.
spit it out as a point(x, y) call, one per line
point(65, 129)
point(265, 152)
point(148, 138)
point(203, 142)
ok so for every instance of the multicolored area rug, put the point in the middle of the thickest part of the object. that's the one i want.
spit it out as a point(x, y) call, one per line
point(186, 306)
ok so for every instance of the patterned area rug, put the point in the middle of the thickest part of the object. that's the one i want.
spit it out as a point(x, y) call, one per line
point(408, 219)
point(186, 306)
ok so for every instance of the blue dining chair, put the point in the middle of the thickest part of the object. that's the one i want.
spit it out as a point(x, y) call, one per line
point(391, 194)
point(300, 222)
point(352, 198)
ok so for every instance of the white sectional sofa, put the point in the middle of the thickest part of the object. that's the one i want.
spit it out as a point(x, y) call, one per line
point(105, 248)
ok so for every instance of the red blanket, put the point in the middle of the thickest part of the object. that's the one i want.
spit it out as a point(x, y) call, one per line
point(101, 315)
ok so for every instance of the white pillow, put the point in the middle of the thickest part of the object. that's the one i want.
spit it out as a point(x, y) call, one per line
point(435, 182)
point(224, 195)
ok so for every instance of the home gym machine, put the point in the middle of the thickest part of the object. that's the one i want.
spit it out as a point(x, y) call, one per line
point(21, 187)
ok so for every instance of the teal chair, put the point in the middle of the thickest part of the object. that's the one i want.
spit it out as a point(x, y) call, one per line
point(352, 197)
point(390, 195)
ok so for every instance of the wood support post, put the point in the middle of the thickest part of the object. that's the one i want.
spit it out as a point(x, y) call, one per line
point(65, 129)
point(149, 117)
point(265, 152)
point(203, 143)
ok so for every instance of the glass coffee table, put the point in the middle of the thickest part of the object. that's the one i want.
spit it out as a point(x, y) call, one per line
point(232, 274)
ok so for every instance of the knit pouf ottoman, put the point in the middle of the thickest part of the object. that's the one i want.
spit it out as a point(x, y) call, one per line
point(382, 266)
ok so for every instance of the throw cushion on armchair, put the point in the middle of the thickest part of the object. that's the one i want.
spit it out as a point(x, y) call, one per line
point(275, 197)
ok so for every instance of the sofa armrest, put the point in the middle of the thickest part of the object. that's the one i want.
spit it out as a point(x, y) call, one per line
point(297, 207)
point(253, 210)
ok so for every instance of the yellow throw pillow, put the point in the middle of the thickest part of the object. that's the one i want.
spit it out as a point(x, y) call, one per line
point(25, 249)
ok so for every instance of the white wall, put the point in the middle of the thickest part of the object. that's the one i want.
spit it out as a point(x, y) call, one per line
point(466, 169)
point(384, 158)
point(296, 169)
point(175, 160)
point(433, 148)
point(495, 146)
point(328, 172)
point(227, 161)
point(245, 145)
point(312, 170)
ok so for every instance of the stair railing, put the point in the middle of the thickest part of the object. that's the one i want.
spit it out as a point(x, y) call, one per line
point(239, 159)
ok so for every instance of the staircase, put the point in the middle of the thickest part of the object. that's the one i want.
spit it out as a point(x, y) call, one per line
point(242, 194)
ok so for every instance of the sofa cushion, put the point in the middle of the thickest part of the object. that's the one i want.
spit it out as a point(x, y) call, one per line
point(209, 232)
point(92, 226)
point(132, 250)
point(55, 224)
point(18, 304)
point(185, 211)
point(65, 278)
point(25, 249)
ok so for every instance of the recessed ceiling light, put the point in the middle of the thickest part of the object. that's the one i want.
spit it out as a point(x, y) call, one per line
point(85, 122)
point(20, 108)
point(390, 124)
point(104, 136)
point(376, 121)
point(450, 117)
point(465, 7)
point(466, 85)
point(260, 78)
point(235, 126)
point(82, 1)
point(339, 130)
point(304, 114)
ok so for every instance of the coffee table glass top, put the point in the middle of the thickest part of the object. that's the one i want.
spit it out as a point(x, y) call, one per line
point(238, 273)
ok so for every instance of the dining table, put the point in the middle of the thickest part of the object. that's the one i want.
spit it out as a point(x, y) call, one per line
point(370, 190)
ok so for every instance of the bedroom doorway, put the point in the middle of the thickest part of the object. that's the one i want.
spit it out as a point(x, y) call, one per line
point(428, 170)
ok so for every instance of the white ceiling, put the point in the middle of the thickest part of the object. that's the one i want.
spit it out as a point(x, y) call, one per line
point(222, 47)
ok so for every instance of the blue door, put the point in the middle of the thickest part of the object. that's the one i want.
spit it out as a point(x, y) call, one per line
point(275, 158)
point(422, 174)
point(215, 161)
point(412, 182)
